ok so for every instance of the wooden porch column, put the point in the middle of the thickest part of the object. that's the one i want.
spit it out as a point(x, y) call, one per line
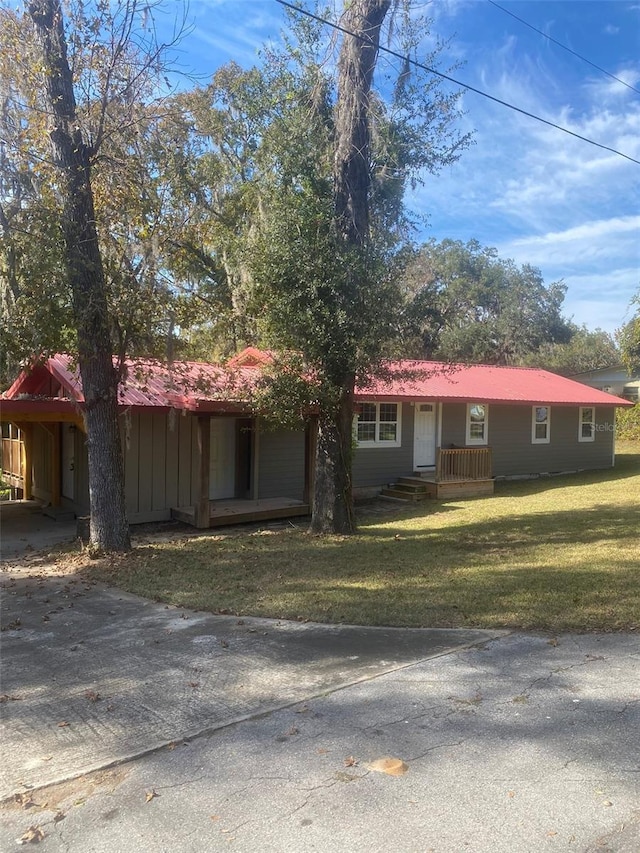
point(27, 459)
point(202, 511)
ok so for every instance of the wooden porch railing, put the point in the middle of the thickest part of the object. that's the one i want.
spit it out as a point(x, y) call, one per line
point(12, 467)
point(463, 463)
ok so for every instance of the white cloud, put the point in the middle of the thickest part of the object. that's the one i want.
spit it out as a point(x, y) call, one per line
point(597, 240)
point(611, 30)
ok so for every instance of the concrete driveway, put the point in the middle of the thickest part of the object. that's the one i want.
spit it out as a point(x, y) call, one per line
point(24, 528)
point(260, 735)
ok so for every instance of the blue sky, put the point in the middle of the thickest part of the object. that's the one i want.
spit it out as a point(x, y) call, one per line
point(536, 194)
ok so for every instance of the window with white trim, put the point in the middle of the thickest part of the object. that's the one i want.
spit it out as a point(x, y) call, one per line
point(378, 425)
point(540, 425)
point(477, 423)
point(587, 424)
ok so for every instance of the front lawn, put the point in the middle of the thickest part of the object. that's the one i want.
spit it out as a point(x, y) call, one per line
point(553, 554)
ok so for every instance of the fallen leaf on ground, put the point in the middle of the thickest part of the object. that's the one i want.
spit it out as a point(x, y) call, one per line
point(92, 695)
point(32, 836)
point(552, 642)
point(292, 731)
point(389, 765)
point(151, 795)
point(58, 816)
point(350, 761)
point(7, 697)
point(63, 724)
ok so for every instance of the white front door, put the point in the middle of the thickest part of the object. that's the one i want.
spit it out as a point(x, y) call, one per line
point(222, 471)
point(424, 436)
point(68, 461)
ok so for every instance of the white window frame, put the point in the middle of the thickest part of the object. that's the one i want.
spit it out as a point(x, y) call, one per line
point(535, 422)
point(378, 442)
point(582, 422)
point(469, 439)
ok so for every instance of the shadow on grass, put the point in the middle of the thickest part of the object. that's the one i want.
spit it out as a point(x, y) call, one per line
point(548, 560)
point(574, 570)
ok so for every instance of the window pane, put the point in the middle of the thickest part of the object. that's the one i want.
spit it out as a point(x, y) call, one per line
point(367, 412)
point(541, 415)
point(476, 430)
point(477, 413)
point(367, 431)
point(388, 412)
point(541, 430)
point(587, 430)
point(587, 416)
point(388, 432)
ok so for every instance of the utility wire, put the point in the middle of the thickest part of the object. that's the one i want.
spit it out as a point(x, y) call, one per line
point(564, 46)
point(417, 64)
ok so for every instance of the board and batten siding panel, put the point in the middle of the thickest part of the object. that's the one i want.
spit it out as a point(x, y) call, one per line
point(145, 463)
point(158, 464)
point(376, 466)
point(185, 428)
point(159, 497)
point(172, 457)
point(281, 464)
point(41, 455)
point(510, 439)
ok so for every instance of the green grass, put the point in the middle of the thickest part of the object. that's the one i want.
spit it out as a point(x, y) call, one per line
point(552, 554)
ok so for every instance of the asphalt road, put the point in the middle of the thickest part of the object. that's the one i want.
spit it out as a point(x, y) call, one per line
point(128, 725)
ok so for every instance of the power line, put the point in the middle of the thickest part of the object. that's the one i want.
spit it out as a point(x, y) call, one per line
point(564, 46)
point(466, 86)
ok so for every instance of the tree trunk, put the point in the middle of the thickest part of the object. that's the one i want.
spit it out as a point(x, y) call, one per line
point(109, 527)
point(333, 498)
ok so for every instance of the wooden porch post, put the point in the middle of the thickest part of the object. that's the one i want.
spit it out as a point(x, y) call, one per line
point(27, 459)
point(202, 511)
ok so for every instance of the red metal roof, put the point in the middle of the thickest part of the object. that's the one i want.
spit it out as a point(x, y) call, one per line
point(146, 384)
point(199, 386)
point(430, 380)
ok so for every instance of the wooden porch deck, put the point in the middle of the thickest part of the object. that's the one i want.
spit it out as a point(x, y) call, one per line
point(239, 511)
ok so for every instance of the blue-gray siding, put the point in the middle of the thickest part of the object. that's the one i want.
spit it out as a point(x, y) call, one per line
point(281, 464)
point(375, 466)
point(509, 436)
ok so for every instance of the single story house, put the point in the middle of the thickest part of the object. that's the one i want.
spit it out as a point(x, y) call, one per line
point(615, 380)
point(194, 450)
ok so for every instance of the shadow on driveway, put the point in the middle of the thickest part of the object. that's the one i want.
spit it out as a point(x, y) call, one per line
point(93, 676)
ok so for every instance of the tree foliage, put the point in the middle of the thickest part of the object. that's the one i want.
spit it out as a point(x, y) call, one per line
point(629, 340)
point(78, 209)
point(586, 350)
point(464, 303)
point(333, 227)
point(120, 94)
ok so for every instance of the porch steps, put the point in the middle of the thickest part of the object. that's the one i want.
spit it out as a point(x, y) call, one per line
point(419, 488)
point(411, 489)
